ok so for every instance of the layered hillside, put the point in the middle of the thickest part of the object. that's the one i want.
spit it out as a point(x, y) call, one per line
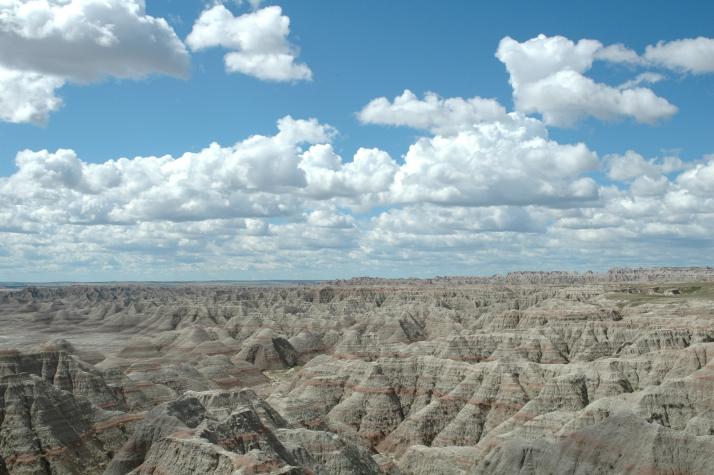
point(536, 373)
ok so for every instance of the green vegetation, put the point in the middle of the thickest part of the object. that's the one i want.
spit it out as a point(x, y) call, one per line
point(663, 293)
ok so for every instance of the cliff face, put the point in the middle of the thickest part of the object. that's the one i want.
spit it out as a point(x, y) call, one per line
point(225, 431)
point(517, 376)
point(54, 423)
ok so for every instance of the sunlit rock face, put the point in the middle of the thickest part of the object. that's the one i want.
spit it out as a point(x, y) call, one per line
point(531, 373)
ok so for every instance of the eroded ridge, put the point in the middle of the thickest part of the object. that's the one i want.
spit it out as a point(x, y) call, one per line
point(530, 373)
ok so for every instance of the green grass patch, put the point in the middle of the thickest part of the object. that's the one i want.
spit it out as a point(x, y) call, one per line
point(663, 293)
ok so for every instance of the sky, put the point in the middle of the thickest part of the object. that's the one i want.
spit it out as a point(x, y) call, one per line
point(197, 140)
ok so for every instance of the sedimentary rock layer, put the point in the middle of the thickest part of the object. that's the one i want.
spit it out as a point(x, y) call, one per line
point(532, 373)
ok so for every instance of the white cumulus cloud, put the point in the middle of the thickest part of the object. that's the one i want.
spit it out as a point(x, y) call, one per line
point(432, 113)
point(547, 76)
point(496, 163)
point(368, 176)
point(694, 55)
point(257, 40)
point(259, 176)
point(499, 195)
point(632, 165)
point(28, 96)
point(46, 43)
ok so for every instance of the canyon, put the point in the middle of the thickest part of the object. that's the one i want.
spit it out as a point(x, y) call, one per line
point(527, 373)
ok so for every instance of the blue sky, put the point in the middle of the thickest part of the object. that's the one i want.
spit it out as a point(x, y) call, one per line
point(362, 50)
point(357, 52)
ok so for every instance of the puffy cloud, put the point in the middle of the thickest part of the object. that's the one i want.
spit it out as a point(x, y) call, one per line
point(329, 218)
point(699, 180)
point(567, 96)
point(259, 177)
point(649, 186)
point(28, 96)
point(436, 220)
point(429, 240)
point(653, 208)
point(433, 113)
point(41, 223)
point(258, 41)
point(482, 195)
point(496, 163)
point(632, 165)
point(254, 177)
point(295, 175)
point(48, 170)
point(367, 177)
point(547, 76)
point(643, 78)
point(543, 56)
point(85, 40)
point(618, 53)
point(694, 55)
point(289, 202)
point(499, 193)
point(45, 43)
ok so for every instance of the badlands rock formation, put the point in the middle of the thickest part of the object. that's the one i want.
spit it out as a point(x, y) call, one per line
point(530, 373)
